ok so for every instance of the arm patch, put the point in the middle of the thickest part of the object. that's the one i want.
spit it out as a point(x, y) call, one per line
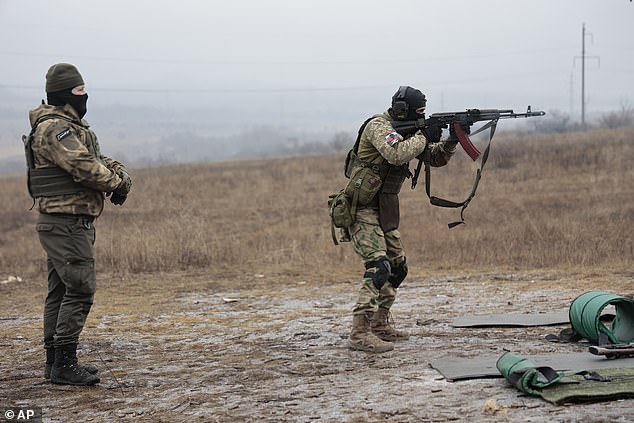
point(63, 134)
point(392, 138)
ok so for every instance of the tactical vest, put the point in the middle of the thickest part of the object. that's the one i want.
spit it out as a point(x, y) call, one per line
point(48, 181)
point(375, 184)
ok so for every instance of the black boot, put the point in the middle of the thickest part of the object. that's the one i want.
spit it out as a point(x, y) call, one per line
point(66, 371)
point(50, 359)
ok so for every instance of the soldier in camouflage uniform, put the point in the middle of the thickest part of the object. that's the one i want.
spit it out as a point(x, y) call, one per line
point(374, 233)
point(69, 177)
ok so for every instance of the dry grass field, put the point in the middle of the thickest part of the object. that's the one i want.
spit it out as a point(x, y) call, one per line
point(222, 298)
point(549, 201)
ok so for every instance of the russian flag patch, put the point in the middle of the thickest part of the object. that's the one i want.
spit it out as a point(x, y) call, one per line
point(392, 138)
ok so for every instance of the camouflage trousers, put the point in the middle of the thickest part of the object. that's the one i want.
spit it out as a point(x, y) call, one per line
point(68, 241)
point(370, 243)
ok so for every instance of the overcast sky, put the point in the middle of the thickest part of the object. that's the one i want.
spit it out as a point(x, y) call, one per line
point(324, 58)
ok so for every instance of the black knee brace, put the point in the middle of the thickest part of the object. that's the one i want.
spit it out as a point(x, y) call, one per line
point(378, 270)
point(398, 274)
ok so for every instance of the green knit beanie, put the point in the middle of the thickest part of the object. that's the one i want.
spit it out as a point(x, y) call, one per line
point(62, 76)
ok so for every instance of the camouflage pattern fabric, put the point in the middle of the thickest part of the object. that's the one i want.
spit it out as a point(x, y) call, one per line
point(65, 225)
point(380, 143)
point(73, 147)
point(370, 243)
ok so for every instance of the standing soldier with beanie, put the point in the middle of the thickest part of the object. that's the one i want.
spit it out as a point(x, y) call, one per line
point(70, 178)
point(378, 167)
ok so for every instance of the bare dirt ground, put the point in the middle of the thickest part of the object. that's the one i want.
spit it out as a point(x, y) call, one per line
point(191, 347)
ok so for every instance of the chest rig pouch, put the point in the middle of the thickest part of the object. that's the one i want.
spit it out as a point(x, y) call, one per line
point(389, 212)
point(365, 182)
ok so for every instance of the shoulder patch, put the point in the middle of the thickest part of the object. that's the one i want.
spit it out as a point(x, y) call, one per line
point(63, 134)
point(392, 138)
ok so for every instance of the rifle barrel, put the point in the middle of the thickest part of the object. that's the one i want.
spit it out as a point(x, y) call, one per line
point(469, 116)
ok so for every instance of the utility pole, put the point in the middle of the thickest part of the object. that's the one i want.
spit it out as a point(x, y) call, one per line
point(583, 72)
point(572, 95)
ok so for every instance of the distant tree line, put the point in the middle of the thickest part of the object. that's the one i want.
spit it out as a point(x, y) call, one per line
point(556, 121)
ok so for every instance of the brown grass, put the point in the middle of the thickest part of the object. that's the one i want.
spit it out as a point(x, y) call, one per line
point(543, 202)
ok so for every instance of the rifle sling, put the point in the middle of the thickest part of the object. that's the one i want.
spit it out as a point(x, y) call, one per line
point(417, 173)
point(441, 202)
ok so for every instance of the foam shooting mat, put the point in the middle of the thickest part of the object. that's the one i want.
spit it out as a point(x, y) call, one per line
point(512, 320)
point(458, 368)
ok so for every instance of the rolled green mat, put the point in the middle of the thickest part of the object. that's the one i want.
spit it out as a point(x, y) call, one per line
point(585, 312)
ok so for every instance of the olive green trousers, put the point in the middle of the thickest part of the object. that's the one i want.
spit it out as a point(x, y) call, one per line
point(68, 241)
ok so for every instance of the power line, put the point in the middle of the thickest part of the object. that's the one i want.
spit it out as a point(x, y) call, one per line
point(281, 90)
point(287, 62)
point(211, 90)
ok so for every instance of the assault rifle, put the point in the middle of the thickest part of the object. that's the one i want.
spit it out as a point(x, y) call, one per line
point(461, 120)
point(461, 123)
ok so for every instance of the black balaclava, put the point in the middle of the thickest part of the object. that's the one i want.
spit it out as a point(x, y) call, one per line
point(412, 98)
point(61, 78)
point(60, 98)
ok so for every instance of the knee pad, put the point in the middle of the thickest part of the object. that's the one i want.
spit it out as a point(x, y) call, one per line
point(398, 273)
point(379, 271)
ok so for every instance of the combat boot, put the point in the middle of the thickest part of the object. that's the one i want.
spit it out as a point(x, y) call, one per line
point(50, 359)
point(382, 327)
point(66, 371)
point(362, 338)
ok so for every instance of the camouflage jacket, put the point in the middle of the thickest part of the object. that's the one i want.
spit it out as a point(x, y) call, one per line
point(72, 146)
point(380, 143)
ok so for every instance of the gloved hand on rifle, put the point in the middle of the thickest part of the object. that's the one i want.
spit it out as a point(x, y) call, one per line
point(120, 194)
point(432, 132)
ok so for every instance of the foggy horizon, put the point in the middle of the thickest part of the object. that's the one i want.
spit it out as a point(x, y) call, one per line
point(315, 66)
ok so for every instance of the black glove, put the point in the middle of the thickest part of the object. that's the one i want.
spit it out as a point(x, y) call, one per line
point(120, 194)
point(432, 132)
point(118, 199)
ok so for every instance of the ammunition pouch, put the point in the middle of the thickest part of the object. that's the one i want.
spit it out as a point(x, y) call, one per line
point(339, 210)
point(365, 182)
point(340, 213)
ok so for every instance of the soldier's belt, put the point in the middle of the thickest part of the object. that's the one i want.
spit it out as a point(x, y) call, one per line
point(70, 216)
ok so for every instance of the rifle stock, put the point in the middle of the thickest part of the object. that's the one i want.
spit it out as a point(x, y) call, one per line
point(617, 350)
